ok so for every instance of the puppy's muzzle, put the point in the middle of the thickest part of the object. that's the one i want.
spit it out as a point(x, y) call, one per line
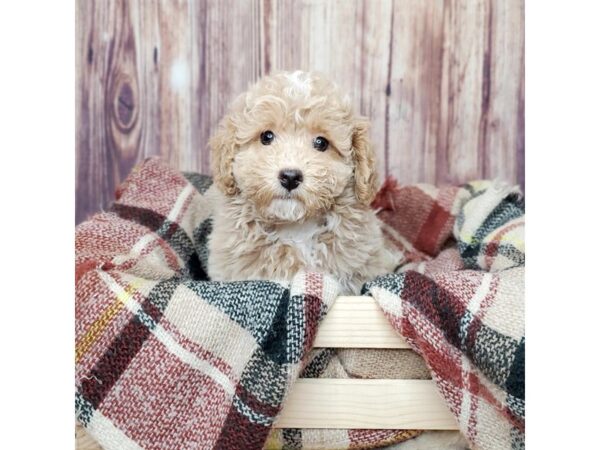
point(290, 178)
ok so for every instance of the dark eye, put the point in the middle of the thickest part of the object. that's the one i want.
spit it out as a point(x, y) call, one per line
point(320, 143)
point(266, 137)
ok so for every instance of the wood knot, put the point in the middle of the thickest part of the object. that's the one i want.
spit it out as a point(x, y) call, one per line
point(125, 108)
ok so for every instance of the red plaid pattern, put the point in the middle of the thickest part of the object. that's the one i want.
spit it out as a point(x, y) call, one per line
point(165, 358)
point(462, 308)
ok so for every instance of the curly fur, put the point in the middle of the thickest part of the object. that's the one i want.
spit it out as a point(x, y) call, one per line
point(326, 224)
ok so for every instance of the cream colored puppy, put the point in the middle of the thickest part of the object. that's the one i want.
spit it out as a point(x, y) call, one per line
point(294, 175)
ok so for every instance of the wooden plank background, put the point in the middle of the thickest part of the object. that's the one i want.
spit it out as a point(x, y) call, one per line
point(442, 81)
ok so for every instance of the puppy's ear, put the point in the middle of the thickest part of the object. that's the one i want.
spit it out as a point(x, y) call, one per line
point(222, 152)
point(365, 176)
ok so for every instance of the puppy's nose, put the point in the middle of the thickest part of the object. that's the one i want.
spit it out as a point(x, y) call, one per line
point(290, 178)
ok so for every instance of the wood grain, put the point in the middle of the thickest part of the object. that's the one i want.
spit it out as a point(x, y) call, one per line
point(353, 404)
point(227, 40)
point(504, 126)
point(442, 80)
point(115, 121)
point(371, 404)
point(415, 76)
point(462, 85)
point(357, 322)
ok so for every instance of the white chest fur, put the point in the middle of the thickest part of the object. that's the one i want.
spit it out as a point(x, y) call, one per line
point(304, 237)
point(346, 243)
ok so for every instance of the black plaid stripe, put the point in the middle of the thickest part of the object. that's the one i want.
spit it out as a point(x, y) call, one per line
point(494, 354)
point(517, 439)
point(265, 309)
point(319, 362)
point(108, 369)
point(515, 383)
point(170, 232)
point(516, 406)
point(510, 208)
point(200, 182)
point(393, 283)
point(83, 409)
point(509, 251)
point(201, 235)
point(292, 438)
point(264, 378)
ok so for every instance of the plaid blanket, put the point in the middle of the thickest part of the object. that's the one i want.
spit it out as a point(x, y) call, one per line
point(167, 359)
point(458, 299)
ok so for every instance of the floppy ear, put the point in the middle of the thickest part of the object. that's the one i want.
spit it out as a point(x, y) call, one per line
point(365, 176)
point(222, 152)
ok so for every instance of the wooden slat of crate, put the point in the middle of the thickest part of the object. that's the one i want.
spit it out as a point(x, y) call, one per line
point(373, 404)
point(357, 322)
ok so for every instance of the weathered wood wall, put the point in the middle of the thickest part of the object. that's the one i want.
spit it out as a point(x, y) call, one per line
point(442, 81)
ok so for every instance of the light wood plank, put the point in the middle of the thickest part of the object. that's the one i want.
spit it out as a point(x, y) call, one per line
point(146, 27)
point(117, 102)
point(371, 84)
point(373, 404)
point(96, 35)
point(227, 36)
point(280, 47)
point(330, 33)
point(464, 72)
point(415, 73)
point(357, 322)
point(176, 90)
point(504, 125)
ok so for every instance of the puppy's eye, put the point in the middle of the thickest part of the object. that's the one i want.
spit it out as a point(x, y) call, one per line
point(320, 143)
point(266, 137)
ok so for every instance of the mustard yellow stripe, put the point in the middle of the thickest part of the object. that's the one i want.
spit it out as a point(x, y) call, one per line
point(102, 322)
point(516, 240)
point(273, 441)
point(467, 237)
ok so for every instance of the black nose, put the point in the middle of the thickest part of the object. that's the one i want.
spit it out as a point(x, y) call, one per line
point(290, 178)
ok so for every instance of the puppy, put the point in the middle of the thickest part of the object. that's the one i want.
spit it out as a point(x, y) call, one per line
point(294, 174)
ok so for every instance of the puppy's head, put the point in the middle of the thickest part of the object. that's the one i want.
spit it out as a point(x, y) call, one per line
point(291, 145)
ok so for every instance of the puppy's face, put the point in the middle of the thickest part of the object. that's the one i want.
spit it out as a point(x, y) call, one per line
point(291, 146)
point(291, 172)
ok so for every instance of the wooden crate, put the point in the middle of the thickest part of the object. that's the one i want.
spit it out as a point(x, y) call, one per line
point(358, 322)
